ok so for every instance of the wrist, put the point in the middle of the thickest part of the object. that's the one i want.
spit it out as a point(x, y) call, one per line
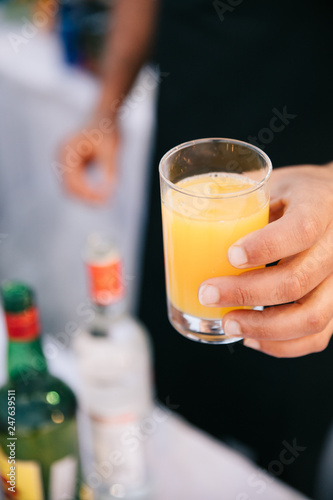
point(107, 107)
point(103, 121)
point(112, 95)
point(106, 112)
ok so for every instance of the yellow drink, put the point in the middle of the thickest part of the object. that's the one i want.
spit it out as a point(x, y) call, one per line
point(198, 229)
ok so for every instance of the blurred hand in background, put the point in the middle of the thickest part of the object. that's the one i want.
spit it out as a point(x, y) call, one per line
point(90, 157)
point(90, 161)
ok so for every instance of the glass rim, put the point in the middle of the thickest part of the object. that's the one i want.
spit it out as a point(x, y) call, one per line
point(220, 196)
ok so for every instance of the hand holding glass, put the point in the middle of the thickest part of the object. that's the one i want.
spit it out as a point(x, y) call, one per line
point(214, 191)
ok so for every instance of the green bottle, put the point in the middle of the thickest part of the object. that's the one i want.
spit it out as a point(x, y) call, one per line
point(39, 455)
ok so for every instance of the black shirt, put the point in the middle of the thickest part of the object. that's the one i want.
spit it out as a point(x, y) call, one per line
point(228, 73)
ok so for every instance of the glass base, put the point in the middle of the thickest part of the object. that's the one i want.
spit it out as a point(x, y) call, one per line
point(207, 331)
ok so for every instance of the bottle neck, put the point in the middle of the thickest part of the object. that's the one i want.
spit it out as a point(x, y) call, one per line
point(25, 356)
point(112, 310)
point(25, 360)
point(104, 317)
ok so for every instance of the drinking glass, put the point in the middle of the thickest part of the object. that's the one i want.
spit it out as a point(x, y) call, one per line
point(213, 192)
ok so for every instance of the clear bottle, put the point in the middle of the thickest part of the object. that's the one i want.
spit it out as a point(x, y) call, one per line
point(114, 360)
point(37, 412)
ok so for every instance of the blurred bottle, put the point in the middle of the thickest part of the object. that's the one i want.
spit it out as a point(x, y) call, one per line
point(39, 455)
point(14, 10)
point(115, 364)
point(83, 29)
point(69, 19)
point(41, 13)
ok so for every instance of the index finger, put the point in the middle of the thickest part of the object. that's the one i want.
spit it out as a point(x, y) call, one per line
point(78, 185)
point(297, 230)
point(74, 174)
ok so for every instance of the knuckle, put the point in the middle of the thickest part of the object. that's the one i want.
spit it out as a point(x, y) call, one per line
point(259, 326)
point(316, 322)
point(265, 252)
point(242, 296)
point(297, 285)
point(265, 323)
point(309, 227)
point(282, 292)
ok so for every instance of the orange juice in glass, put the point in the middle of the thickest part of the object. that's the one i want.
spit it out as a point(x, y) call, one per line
point(214, 191)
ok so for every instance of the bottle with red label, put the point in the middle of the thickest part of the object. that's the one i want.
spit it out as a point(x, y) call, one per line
point(114, 358)
point(39, 455)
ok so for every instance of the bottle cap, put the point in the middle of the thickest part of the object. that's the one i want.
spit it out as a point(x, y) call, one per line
point(16, 296)
point(20, 313)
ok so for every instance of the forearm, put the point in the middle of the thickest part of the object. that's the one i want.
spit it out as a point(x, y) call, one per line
point(128, 48)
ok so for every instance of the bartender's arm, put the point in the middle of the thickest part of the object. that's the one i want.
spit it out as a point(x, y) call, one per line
point(127, 50)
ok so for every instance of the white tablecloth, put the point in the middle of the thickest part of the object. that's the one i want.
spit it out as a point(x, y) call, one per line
point(185, 463)
point(42, 231)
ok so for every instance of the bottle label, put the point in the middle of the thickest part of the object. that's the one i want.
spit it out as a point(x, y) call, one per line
point(22, 479)
point(23, 326)
point(62, 478)
point(106, 281)
point(119, 455)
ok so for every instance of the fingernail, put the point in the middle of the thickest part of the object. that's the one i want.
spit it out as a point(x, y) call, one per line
point(208, 295)
point(253, 344)
point(232, 328)
point(237, 256)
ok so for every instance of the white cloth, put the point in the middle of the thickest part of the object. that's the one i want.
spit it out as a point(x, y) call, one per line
point(185, 463)
point(42, 230)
